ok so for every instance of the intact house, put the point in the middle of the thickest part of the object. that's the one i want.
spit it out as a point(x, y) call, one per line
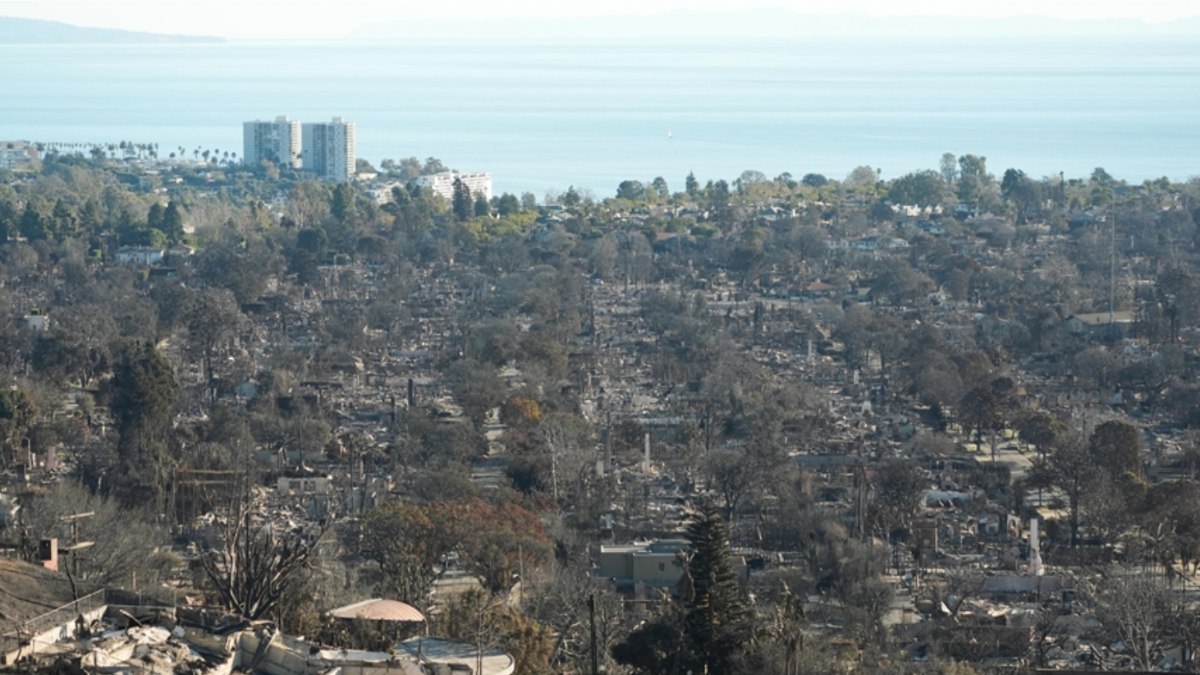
point(656, 564)
point(139, 255)
point(1097, 323)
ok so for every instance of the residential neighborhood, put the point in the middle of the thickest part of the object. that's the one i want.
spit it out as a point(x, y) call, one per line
point(941, 423)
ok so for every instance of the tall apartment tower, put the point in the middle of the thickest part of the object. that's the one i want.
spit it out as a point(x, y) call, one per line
point(327, 149)
point(277, 141)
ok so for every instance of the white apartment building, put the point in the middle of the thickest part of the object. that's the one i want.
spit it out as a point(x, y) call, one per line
point(327, 149)
point(479, 183)
point(277, 141)
point(17, 155)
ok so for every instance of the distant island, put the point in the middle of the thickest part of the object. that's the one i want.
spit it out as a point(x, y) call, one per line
point(34, 31)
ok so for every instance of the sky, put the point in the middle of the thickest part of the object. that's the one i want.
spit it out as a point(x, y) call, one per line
point(322, 19)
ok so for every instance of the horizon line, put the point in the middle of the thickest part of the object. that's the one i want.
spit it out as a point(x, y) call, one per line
point(362, 31)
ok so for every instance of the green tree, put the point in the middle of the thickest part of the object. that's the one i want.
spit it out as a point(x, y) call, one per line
point(154, 217)
point(433, 165)
point(748, 181)
point(862, 178)
point(1021, 192)
point(144, 396)
point(8, 219)
point(660, 188)
point(172, 223)
point(34, 225)
point(341, 205)
point(571, 197)
point(974, 181)
point(716, 624)
point(633, 190)
point(651, 648)
point(948, 168)
point(1116, 448)
point(507, 204)
point(1041, 430)
point(719, 207)
point(64, 221)
point(462, 204)
point(213, 319)
point(16, 414)
point(923, 188)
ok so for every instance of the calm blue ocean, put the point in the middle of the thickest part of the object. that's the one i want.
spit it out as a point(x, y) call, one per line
point(543, 117)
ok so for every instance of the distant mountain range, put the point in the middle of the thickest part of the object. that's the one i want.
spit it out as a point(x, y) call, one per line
point(35, 31)
point(765, 23)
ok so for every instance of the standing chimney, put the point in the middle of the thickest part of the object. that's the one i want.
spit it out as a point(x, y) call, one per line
point(1035, 556)
point(606, 440)
point(646, 459)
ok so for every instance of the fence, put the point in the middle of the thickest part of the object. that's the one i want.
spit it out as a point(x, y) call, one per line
point(14, 638)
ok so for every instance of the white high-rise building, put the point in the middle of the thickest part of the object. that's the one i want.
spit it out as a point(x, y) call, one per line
point(478, 182)
point(277, 141)
point(327, 149)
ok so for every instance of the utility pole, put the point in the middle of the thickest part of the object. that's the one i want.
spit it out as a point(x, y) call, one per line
point(592, 618)
point(1112, 276)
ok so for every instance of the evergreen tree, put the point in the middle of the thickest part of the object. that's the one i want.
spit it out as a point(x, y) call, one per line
point(342, 203)
point(144, 394)
point(154, 218)
point(462, 203)
point(571, 197)
point(65, 221)
point(89, 217)
point(172, 223)
point(508, 204)
point(716, 624)
point(719, 205)
point(8, 219)
point(33, 224)
point(1116, 447)
point(16, 413)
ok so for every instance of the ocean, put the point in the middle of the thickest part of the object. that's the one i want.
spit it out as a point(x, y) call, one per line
point(542, 117)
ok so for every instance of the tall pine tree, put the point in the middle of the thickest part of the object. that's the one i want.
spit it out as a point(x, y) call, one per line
point(717, 623)
point(463, 203)
point(144, 394)
point(708, 627)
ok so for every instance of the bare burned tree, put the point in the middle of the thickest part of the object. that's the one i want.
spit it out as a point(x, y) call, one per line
point(1136, 608)
point(254, 566)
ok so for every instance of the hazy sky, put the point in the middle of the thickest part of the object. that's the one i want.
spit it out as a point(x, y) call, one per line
point(334, 18)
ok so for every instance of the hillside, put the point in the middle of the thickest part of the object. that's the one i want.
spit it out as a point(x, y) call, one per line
point(15, 30)
point(27, 591)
